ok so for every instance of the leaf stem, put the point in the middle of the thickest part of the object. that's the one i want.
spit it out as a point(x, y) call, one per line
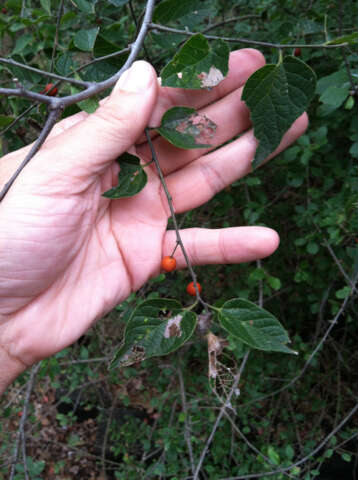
point(175, 223)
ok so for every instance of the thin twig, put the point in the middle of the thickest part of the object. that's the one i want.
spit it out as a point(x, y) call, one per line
point(313, 354)
point(248, 41)
point(187, 432)
point(229, 20)
point(55, 43)
point(173, 216)
point(339, 265)
point(21, 431)
point(73, 81)
point(226, 405)
point(304, 459)
point(105, 439)
point(249, 444)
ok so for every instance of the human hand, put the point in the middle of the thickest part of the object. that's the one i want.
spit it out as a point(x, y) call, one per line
point(69, 255)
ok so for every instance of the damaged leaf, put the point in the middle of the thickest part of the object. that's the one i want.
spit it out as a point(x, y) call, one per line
point(131, 178)
point(156, 327)
point(198, 64)
point(254, 326)
point(186, 128)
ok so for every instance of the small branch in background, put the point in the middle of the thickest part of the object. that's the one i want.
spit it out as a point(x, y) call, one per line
point(250, 445)
point(228, 20)
point(226, 405)
point(187, 429)
point(313, 354)
point(105, 440)
point(246, 41)
point(55, 43)
point(304, 459)
point(78, 83)
point(21, 432)
point(339, 265)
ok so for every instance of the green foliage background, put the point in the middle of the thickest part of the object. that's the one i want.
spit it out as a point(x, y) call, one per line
point(309, 194)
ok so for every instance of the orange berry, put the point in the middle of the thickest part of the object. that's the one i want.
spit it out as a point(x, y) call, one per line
point(53, 92)
point(191, 289)
point(168, 264)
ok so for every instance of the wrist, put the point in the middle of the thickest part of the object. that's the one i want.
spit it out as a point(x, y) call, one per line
point(10, 368)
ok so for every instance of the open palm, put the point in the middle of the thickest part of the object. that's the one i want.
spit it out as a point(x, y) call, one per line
point(69, 255)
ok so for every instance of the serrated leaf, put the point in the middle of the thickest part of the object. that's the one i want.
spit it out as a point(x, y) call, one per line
point(170, 10)
point(254, 326)
point(185, 128)
point(156, 327)
point(276, 96)
point(84, 39)
point(131, 178)
point(351, 39)
point(198, 64)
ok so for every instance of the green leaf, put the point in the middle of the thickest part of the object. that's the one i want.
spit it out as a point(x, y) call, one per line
point(169, 10)
point(254, 326)
point(198, 64)
point(46, 5)
point(273, 455)
point(5, 120)
point(84, 39)
point(88, 105)
point(312, 248)
point(274, 282)
point(185, 128)
point(84, 6)
point(156, 327)
point(276, 96)
point(351, 39)
point(334, 96)
point(336, 79)
point(131, 178)
point(21, 43)
point(343, 292)
point(65, 64)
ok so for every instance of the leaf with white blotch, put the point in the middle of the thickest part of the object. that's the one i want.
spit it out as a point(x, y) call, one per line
point(198, 64)
point(185, 128)
point(276, 96)
point(156, 327)
point(254, 326)
point(131, 178)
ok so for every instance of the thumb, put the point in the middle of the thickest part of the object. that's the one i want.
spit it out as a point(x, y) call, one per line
point(93, 143)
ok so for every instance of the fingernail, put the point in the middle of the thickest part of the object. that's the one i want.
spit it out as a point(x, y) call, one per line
point(137, 78)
